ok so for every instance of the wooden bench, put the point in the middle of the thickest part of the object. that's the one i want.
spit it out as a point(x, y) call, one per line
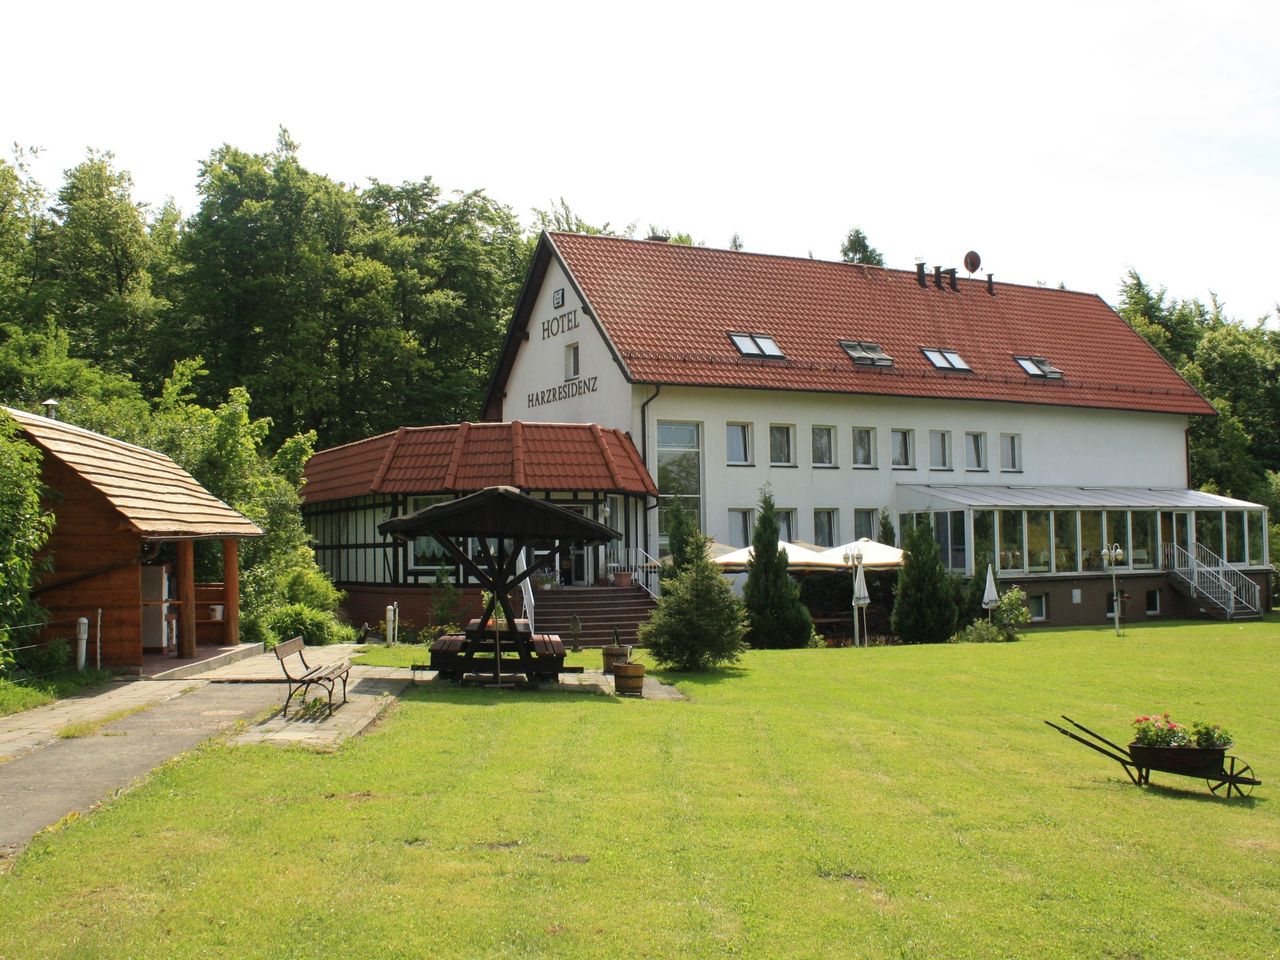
point(326, 676)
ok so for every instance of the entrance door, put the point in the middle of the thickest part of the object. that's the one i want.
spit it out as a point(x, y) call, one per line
point(578, 569)
point(1176, 527)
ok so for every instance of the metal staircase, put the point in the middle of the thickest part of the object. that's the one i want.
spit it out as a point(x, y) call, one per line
point(1208, 579)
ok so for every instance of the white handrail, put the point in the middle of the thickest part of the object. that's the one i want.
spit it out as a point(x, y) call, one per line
point(1207, 575)
point(526, 590)
point(1244, 588)
point(642, 567)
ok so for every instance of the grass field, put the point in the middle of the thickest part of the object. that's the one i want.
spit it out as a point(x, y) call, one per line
point(893, 802)
point(16, 697)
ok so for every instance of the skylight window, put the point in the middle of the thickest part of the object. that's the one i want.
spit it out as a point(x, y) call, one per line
point(866, 354)
point(1039, 367)
point(756, 345)
point(945, 359)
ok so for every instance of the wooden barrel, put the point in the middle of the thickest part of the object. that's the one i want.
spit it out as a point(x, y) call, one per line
point(628, 679)
point(612, 654)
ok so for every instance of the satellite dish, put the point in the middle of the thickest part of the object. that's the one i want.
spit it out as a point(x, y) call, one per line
point(972, 262)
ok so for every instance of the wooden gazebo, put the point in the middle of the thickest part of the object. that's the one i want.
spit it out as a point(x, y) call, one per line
point(115, 505)
point(514, 521)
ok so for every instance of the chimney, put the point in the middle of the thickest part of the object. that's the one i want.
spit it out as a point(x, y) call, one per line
point(937, 277)
point(951, 274)
point(920, 277)
point(658, 238)
point(991, 286)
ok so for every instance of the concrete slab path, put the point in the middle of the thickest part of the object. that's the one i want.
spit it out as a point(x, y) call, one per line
point(42, 786)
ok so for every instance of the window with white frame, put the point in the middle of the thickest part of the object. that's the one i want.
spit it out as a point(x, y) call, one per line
point(864, 522)
point(787, 524)
point(679, 473)
point(738, 443)
point(571, 368)
point(940, 449)
point(824, 446)
point(903, 447)
point(945, 359)
point(425, 553)
point(782, 452)
point(757, 345)
point(1153, 603)
point(742, 521)
point(825, 527)
point(1038, 607)
point(975, 451)
point(864, 447)
point(1011, 452)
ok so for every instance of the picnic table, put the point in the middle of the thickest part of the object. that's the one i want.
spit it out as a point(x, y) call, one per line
point(469, 656)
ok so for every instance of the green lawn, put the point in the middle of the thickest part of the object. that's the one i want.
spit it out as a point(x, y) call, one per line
point(16, 697)
point(893, 802)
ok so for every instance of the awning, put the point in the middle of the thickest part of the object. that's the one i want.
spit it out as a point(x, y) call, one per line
point(992, 497)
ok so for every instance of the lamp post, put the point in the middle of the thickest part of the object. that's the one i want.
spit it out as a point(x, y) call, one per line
point(1114, 556)
point(854, 559)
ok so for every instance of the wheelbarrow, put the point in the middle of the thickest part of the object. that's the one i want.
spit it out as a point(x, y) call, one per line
point(1221, 772)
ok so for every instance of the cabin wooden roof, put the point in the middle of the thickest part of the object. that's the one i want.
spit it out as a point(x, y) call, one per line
point(465, 457)
point(154, 496)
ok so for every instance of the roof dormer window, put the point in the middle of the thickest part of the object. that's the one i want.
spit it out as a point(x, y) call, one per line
point(866, 354)
point(945, 359)
point(757, 345)
point(1039, 367)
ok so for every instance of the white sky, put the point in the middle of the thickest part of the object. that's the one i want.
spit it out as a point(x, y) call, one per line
point(1065, 145)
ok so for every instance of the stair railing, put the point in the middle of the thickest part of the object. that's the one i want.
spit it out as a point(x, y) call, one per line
point(1245, 589)
point(526, 590)
point(642, 567)
point(1203, 575)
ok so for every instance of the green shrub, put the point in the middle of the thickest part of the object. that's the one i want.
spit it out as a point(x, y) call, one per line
point(699, 622)
point(309, 586)
point(44, 659)
point(981, 631)
point(1010, 614)
point(776, 616)
point(925, 608)
point(316, 627)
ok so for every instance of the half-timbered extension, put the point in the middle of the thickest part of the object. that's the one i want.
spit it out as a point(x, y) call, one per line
point(350, 489)
point(117, 507)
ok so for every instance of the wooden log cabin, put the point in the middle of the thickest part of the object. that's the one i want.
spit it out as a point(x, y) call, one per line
point(120, 512)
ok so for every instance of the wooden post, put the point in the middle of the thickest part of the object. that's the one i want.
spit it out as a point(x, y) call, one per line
point(186, 599)
point(231, 591)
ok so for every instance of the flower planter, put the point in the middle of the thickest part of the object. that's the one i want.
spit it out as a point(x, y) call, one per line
point(622, 578)
point(614, 654)
point(628, 679)
point(1190, 761)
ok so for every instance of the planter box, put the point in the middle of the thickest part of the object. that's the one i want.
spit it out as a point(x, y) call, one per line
point(1191, 761)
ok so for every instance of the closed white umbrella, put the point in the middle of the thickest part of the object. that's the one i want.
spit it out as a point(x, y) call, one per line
point(990, 597)
point(861, 600)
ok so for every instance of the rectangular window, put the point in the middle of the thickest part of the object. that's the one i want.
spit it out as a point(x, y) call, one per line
point(958, 538)
point(570, 361)
point(942, 535)
point(1144, 539)
point(741, 524)
point(1153, 603)
point(940, 449)
point(1235, 537)
point(786, 525)
point(1090, 540)
point(425, 553)
point(1038, 607)
point(781, 448)
point(866, 354)
point(1037, 541)
point(756, 345)
point(824, 527)
point(679, 474)
point(903, 445)
point(864, 446)
point(864, 523)
point(975, 451)
point(1065, 546)
point(1012, 556)
point(824, 446)
point(984, 541)
point(1118, 533)
point(737, 439)
point(1011, 452)
point(945, 359)
point(1257, 539)
point(1209, 530)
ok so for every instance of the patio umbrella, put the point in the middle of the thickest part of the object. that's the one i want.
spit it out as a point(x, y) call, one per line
point(861, 598)
point(991, 597)
point(875, 555)
point(798, 558)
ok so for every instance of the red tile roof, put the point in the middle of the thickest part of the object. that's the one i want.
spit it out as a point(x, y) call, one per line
point(464, 457)
point(155, 496)
point(667, 310)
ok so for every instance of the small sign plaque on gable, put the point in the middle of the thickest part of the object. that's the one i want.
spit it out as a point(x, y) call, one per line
point(557, 298)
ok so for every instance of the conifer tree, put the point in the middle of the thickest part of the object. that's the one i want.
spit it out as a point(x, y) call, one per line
point(699, 622)
point(777, 617)
point(684, 541)
point(925, 608)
